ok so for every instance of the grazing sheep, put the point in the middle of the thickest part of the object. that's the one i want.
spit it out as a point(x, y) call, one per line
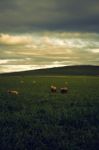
point(53, 89)
point(64, 90)
point(66, 83)
point(13, 92)
point(22, 81)
point(34, 82)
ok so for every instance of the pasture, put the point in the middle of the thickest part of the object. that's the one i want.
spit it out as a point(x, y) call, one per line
point(37, 119)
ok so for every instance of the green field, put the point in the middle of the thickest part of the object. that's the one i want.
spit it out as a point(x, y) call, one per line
point(37, 119)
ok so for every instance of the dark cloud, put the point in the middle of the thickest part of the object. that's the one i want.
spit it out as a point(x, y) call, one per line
point(68, 15)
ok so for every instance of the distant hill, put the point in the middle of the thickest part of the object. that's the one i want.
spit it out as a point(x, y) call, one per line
point(67, 70)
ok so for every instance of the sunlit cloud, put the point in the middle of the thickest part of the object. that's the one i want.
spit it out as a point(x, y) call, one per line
point(47, 49)
point(5, 61)
point(17, 68)
point(94, 50)
point(68, 40)
point(8, 39)
point(14, 61)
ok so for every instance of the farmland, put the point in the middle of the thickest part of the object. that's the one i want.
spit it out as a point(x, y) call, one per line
point(41, 120)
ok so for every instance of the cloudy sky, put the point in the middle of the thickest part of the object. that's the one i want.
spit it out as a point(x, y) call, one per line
point(45, 33)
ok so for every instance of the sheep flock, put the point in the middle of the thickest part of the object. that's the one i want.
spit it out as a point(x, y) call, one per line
point(53, 89)
point(62, 90)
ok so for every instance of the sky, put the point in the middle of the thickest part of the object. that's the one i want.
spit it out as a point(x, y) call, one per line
point(48, 33)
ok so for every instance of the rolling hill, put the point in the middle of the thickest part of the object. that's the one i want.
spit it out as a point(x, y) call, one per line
point(66, 70)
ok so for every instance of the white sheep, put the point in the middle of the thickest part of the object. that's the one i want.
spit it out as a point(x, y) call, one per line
point(34, 82)
point(53, 89)
point(13, 92)
point(22, 81)
point(64, 90)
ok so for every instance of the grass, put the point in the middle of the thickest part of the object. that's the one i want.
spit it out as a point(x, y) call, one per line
point(37, 119)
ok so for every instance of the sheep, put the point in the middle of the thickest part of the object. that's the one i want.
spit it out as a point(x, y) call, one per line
point(64, 90)
point(21, 81)
point(34, 82)
point(13, 92)
point(53, 89)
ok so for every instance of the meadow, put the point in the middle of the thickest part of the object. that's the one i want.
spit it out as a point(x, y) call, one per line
point(37, 119)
